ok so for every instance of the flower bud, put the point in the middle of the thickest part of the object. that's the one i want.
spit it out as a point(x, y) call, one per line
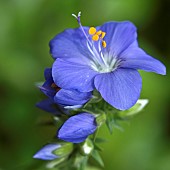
point(54, 150)
point(87, 147)
point(65, 149)
point(77, 128)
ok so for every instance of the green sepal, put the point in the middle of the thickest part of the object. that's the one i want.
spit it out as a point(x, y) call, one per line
point(100, 140)
point(95, 154)
point(138, 107)
point(112, 122)
point(95, 99)
point(96, 147)
point(65, 149)
point(101, 118)
point(80, 162)
point(83, 163)
point(55, 162)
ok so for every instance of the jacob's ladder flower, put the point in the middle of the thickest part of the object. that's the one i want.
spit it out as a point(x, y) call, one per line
point(105, 58)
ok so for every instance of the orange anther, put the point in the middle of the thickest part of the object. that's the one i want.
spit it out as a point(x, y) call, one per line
point(99, 32)
point(92, 30)
point(95, 37)
point(103, 35)
point(104, 44)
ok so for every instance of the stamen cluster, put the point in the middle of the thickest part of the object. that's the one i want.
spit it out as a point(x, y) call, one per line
point(97, 35)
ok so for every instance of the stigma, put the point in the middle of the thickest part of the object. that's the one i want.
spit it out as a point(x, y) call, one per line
point(97, 35)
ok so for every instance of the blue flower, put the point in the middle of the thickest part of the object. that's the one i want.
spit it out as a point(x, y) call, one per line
point(68, 99)
point(46, 153)
point(54, 151)
point(77, 128)
point(105, 58)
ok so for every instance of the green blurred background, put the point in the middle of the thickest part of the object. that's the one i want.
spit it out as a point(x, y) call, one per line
point(26, 26)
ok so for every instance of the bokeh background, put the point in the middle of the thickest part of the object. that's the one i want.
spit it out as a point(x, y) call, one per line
point(26, 26)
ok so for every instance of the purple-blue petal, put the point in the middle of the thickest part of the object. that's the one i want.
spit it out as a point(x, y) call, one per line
point(46, 87)
point(70, 45)
point(71, 97)
point(77, 128)
point(45, 153)
point(48, 105)
point(48, 78)
point(68, 75)
point(48, 91)
point(120, 88)
point(119, 36)
point(136, 58)
point(48, 73)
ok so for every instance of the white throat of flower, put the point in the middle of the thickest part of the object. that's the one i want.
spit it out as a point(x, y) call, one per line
point(101, 62)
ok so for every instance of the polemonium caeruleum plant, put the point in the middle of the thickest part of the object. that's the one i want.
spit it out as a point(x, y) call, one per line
point(94, 80)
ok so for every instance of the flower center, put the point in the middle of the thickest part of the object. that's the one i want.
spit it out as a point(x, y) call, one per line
point(97, 35)
point(100, 60)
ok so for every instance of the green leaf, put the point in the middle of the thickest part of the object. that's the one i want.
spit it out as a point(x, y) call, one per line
point(95, 154)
